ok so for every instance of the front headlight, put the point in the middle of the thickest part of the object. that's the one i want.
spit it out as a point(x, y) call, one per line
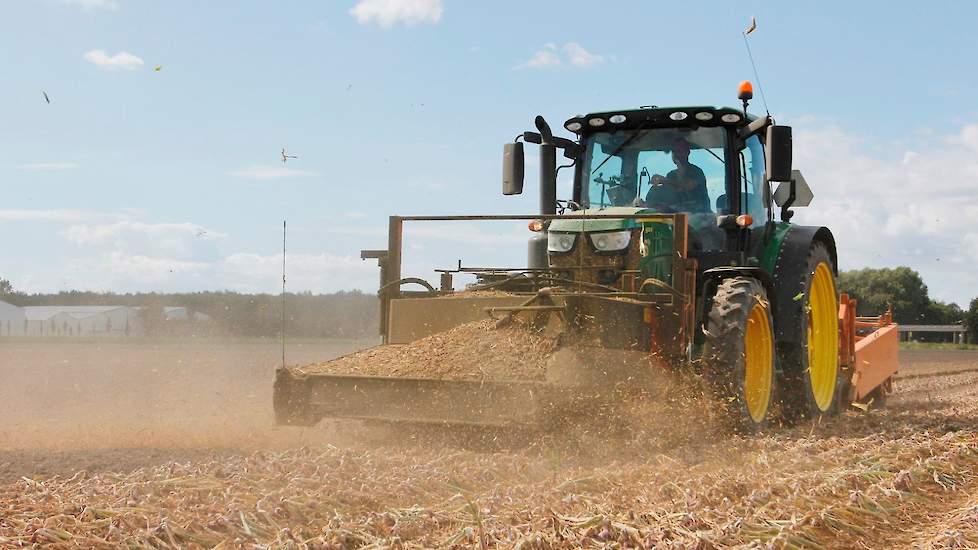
point(611, 241)
point(560, 242)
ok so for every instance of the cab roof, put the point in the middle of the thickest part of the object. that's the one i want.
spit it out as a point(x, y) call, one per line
point(651, 116)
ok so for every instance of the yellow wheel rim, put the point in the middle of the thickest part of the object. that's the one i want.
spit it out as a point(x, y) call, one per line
point(823, 337)
point(758, 363)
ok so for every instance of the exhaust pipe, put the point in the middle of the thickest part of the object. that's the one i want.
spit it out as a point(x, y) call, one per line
point(537, 252)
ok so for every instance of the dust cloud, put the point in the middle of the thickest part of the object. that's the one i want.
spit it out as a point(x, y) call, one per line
point(142, 401)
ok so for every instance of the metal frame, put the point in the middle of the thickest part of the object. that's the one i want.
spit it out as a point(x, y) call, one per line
point(391, 262)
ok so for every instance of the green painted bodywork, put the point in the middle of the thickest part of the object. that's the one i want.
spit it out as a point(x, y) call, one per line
point(658, 235)
point(660, 251)
point(571, 223)
point(769, 255)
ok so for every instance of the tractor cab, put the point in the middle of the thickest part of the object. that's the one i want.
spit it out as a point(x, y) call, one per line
point(689, 159)
point(714, 165)
point(695, 160)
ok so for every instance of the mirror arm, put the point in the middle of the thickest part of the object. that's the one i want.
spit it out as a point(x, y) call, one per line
point(786, 212)
point(746, 131)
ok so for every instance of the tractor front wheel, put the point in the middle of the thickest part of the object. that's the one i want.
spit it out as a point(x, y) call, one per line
point(739, 352)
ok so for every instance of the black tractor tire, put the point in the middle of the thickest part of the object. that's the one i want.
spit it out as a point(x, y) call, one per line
point(738, 353)
point(813, 393)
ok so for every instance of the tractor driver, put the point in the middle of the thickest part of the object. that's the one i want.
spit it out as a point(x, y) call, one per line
point(682, 189)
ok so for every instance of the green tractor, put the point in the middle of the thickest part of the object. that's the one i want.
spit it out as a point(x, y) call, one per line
point(669, 246)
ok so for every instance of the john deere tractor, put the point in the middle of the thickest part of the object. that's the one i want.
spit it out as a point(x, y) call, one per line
point(676, 243)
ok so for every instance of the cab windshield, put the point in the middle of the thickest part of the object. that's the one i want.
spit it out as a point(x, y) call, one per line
point(667, 169)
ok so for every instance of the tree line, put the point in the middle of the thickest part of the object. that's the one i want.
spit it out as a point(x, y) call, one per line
point(338, 315)
point(904, 290)
point(355, 314)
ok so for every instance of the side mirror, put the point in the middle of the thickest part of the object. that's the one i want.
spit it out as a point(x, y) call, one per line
point(513, 168)
point(778, 153)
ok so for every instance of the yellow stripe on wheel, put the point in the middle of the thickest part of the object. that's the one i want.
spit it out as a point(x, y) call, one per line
point(823, 337)
point(758, 363)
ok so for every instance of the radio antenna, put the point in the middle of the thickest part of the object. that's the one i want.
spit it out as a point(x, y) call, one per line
point(282, 330)
point(751, 28)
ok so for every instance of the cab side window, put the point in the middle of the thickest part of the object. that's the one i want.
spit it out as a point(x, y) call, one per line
point(751, 168)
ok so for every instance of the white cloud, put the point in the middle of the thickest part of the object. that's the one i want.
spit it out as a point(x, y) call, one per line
point(466, 233)
point(186, 242)
point(897, 207)
point(547, 57)
point(94, 4)
point(388, 13)
point(46, 215)
point(120, 61)
point(124, 271)
point(572, 53)
point(120, 271)
point(251, 272)
point(270, 173)
point(93, 234)
point(47, 166)
point(121, 253)
point(579, 57)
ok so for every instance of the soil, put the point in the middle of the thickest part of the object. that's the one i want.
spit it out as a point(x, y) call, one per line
point(172, 445)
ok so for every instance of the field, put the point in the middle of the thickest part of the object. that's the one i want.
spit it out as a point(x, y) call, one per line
point(171, 444)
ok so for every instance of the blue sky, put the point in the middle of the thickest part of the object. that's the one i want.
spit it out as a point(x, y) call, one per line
point(135, 179)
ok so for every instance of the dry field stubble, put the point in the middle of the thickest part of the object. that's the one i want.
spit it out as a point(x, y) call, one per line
point(172, 446)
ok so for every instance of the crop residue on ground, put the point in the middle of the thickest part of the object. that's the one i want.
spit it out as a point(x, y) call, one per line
point(159, 461)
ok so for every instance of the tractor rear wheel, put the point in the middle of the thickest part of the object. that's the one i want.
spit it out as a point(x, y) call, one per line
point(739, 352)
point(812, 375)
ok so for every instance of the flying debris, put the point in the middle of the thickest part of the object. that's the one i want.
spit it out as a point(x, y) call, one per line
point(752, 27)
point(286, 156)
point(46, 98)
point(158, 68)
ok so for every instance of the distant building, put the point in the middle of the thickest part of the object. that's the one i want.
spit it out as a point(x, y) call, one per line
point(175, 313)
point(82, 321)
point(12, 320)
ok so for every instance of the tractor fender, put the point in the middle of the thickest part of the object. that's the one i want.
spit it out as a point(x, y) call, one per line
point(789, 277)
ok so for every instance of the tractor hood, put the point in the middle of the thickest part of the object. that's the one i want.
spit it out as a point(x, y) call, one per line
point(572, 223)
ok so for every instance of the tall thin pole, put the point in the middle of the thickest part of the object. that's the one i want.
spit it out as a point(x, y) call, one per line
point(757, 77)
point(283, 294)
